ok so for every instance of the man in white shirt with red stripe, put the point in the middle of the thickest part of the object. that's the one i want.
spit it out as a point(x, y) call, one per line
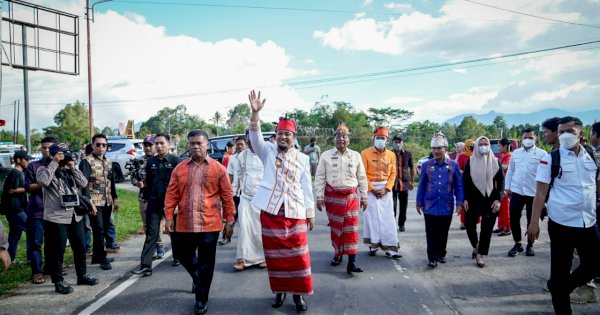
point(572, 212)
point(285, 197)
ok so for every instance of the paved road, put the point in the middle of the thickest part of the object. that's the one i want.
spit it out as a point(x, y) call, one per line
point(506, 286)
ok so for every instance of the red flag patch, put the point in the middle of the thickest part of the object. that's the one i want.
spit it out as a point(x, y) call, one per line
point(544, 162)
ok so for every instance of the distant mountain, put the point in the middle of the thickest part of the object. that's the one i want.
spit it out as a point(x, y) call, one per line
point(588, 117)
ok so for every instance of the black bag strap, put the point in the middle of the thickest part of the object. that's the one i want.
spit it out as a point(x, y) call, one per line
point(555, 170)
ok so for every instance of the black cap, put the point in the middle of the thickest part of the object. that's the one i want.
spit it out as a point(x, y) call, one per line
point(22, 155)
point(397, 137)
point(149, 139)
point(57, 148)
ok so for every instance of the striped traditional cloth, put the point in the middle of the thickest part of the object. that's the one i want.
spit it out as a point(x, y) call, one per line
point(286, 251)
point(342, 206)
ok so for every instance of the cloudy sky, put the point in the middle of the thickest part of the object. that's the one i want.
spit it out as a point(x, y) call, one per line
point(152, 54)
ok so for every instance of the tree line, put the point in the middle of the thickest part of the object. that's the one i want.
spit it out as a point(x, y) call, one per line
point(320, 122)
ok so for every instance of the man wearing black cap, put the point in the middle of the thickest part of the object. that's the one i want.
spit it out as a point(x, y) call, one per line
point(61, 181)
point(404, 179)
point(14, 201)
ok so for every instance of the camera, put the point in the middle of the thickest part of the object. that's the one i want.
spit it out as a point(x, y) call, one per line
point(69, 200)
point(137, 169)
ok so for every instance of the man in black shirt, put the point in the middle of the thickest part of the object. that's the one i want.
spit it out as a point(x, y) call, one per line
point(14, 200)
point(158, 174)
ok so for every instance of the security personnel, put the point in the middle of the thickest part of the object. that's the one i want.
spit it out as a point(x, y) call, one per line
point(520, 187)
point(572, 211)
point(158, 174)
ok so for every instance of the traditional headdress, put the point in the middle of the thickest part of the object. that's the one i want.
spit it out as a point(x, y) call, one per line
point(439, 140)
point(286, 124)
point(342, 128)
point(381, 131)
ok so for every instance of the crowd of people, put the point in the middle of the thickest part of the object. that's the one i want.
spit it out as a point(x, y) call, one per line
point(266, 189)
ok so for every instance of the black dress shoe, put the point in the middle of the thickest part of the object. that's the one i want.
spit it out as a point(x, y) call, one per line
point(87, 280)
point(300, 303)
point(62, 287)
point(432, 264)
point(336, 261)
point(201, 308)
point(175, 263)
point(353, 267)
point(442, 260)
point(278, 300)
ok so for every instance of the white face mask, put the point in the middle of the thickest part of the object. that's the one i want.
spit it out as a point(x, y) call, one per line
point(568, 140)
point(484, 149)
point(379, 143)
point(397, 146)
point(528, 143)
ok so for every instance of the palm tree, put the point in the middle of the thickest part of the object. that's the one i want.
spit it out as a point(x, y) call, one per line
point(217, 119)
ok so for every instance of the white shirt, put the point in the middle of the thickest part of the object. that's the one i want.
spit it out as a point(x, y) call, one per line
point(341, 170)
point(249, 173)
point(520, 177)
point(286, 180)
point(572, 200)
point(231, 170)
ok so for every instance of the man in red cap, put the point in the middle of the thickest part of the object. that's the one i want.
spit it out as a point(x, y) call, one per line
point(380, 166)
point(285, 197)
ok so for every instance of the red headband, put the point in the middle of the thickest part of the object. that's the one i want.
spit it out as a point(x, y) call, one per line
point(286, 124)
point(381, 131)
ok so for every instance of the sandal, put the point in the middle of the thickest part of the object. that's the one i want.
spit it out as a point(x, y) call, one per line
point(38, 278)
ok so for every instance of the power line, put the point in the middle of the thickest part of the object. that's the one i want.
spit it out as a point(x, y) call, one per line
point(532, 15)
point(295, 9)
point(340, 80)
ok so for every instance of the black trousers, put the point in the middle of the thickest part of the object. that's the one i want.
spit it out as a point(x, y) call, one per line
point(436, 229)
point(516, 208)
point(196, 252)
point(563, 241)
point(480, 208)
point(99, 224)
point(154, 214)
point(400, 197)
point(56, 236)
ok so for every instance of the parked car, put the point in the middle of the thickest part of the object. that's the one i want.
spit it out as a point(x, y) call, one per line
point(121, 150)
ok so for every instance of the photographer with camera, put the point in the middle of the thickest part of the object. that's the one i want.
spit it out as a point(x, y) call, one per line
point(61, 181)
point(137, 169)
point(158, 174)
point(101, 190)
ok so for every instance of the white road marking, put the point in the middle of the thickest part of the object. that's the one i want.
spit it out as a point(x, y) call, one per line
point(397, 266)
point(426, 308)
point(119, 289)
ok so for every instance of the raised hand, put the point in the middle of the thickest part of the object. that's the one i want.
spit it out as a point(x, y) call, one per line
point(255, 102)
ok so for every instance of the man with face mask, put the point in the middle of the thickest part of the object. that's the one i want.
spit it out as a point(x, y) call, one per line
point(404, 180)
point(520, 187)
point(572, 212)
point(380, 166)
point(439, 185)
point(285, 197)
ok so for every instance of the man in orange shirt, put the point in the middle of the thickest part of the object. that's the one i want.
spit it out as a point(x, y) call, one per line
point(380, 224)
point(198, 187)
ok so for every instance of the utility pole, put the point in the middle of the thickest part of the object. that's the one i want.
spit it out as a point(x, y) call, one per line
point(25, 93)
point(89, 9)
point(89, 64)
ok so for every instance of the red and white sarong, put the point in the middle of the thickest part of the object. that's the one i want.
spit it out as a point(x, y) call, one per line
point(342, 207)
point(286, 251)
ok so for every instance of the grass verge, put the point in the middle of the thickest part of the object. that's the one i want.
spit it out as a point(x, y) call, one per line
point(127, 220)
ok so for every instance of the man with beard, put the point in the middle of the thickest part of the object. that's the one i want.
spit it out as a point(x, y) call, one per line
point(285, 198)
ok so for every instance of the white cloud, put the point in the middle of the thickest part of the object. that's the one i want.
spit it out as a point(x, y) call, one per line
point(367, 3)
point(460, 27)
point(402, 100)
point(460, 70)
point(134, 60)
point(553, 65)
point(560, 93)
point(401, 7)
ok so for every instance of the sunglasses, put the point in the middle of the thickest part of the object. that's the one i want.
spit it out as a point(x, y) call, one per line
point(99, 145)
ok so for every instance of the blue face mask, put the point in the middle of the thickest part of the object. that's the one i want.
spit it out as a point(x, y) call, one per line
point(379, 144)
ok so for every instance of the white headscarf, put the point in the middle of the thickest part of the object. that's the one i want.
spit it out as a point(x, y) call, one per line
point(483, 169)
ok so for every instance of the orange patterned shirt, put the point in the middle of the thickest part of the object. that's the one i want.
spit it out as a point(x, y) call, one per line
point(380, 166)
point(199, 191)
